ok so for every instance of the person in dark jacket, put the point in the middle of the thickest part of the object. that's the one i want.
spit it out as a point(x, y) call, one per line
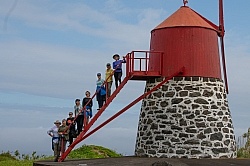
point(87, 103)
point(72, 129)
point(79, 112)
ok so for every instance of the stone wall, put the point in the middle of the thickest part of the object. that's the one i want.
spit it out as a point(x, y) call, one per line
point(188, 117)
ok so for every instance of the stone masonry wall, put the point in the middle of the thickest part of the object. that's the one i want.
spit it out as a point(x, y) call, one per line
point(188, 117)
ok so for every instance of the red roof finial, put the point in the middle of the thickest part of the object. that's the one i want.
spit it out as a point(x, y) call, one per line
point(185, 2)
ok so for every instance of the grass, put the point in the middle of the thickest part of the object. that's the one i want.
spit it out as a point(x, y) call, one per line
point(16, 163)
point(6, 159)
point(84, 152)
point(92, 151)
point(6, 156)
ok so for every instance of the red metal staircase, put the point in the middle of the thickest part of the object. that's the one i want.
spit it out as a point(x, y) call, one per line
point(93, 120)
point(142, 72)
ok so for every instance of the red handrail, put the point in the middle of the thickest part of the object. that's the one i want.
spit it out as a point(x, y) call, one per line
point(83, 108)
point(132, 104)
point(97, 115)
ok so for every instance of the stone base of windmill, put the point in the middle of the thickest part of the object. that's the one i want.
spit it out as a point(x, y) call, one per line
point(188, 117)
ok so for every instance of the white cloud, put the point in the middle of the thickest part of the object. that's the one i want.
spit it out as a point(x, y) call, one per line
point(86, 20)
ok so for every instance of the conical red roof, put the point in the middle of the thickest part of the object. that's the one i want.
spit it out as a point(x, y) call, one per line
point(185, 17)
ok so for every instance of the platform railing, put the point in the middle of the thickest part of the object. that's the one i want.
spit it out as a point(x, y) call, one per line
point(138, 61)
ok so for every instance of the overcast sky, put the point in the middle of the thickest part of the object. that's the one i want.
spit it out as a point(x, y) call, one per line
point(51, 51)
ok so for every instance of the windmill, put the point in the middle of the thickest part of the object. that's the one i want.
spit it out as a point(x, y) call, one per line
point(192, 109)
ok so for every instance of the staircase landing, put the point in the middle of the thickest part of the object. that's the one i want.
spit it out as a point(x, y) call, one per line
point(144, 75)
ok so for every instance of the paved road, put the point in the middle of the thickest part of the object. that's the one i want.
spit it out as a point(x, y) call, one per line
point(137, 161)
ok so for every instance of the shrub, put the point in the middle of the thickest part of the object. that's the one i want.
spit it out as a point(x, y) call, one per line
point(243, 153)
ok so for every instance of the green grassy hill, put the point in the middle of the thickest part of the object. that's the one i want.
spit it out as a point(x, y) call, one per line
point(6, 159)
point(92, 151)
point(84, 152)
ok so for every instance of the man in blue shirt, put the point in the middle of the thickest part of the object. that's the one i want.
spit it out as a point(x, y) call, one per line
point(117, 65)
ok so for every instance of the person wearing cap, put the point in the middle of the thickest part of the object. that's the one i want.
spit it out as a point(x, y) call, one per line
point(109, 79)
point(79, 114)
point(100, 91)
point(63, 132)
point(117, 65)
point(53, 132)
point(72, 129)
point(87, 103)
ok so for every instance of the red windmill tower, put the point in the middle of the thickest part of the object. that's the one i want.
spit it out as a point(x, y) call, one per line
point(184, 111)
